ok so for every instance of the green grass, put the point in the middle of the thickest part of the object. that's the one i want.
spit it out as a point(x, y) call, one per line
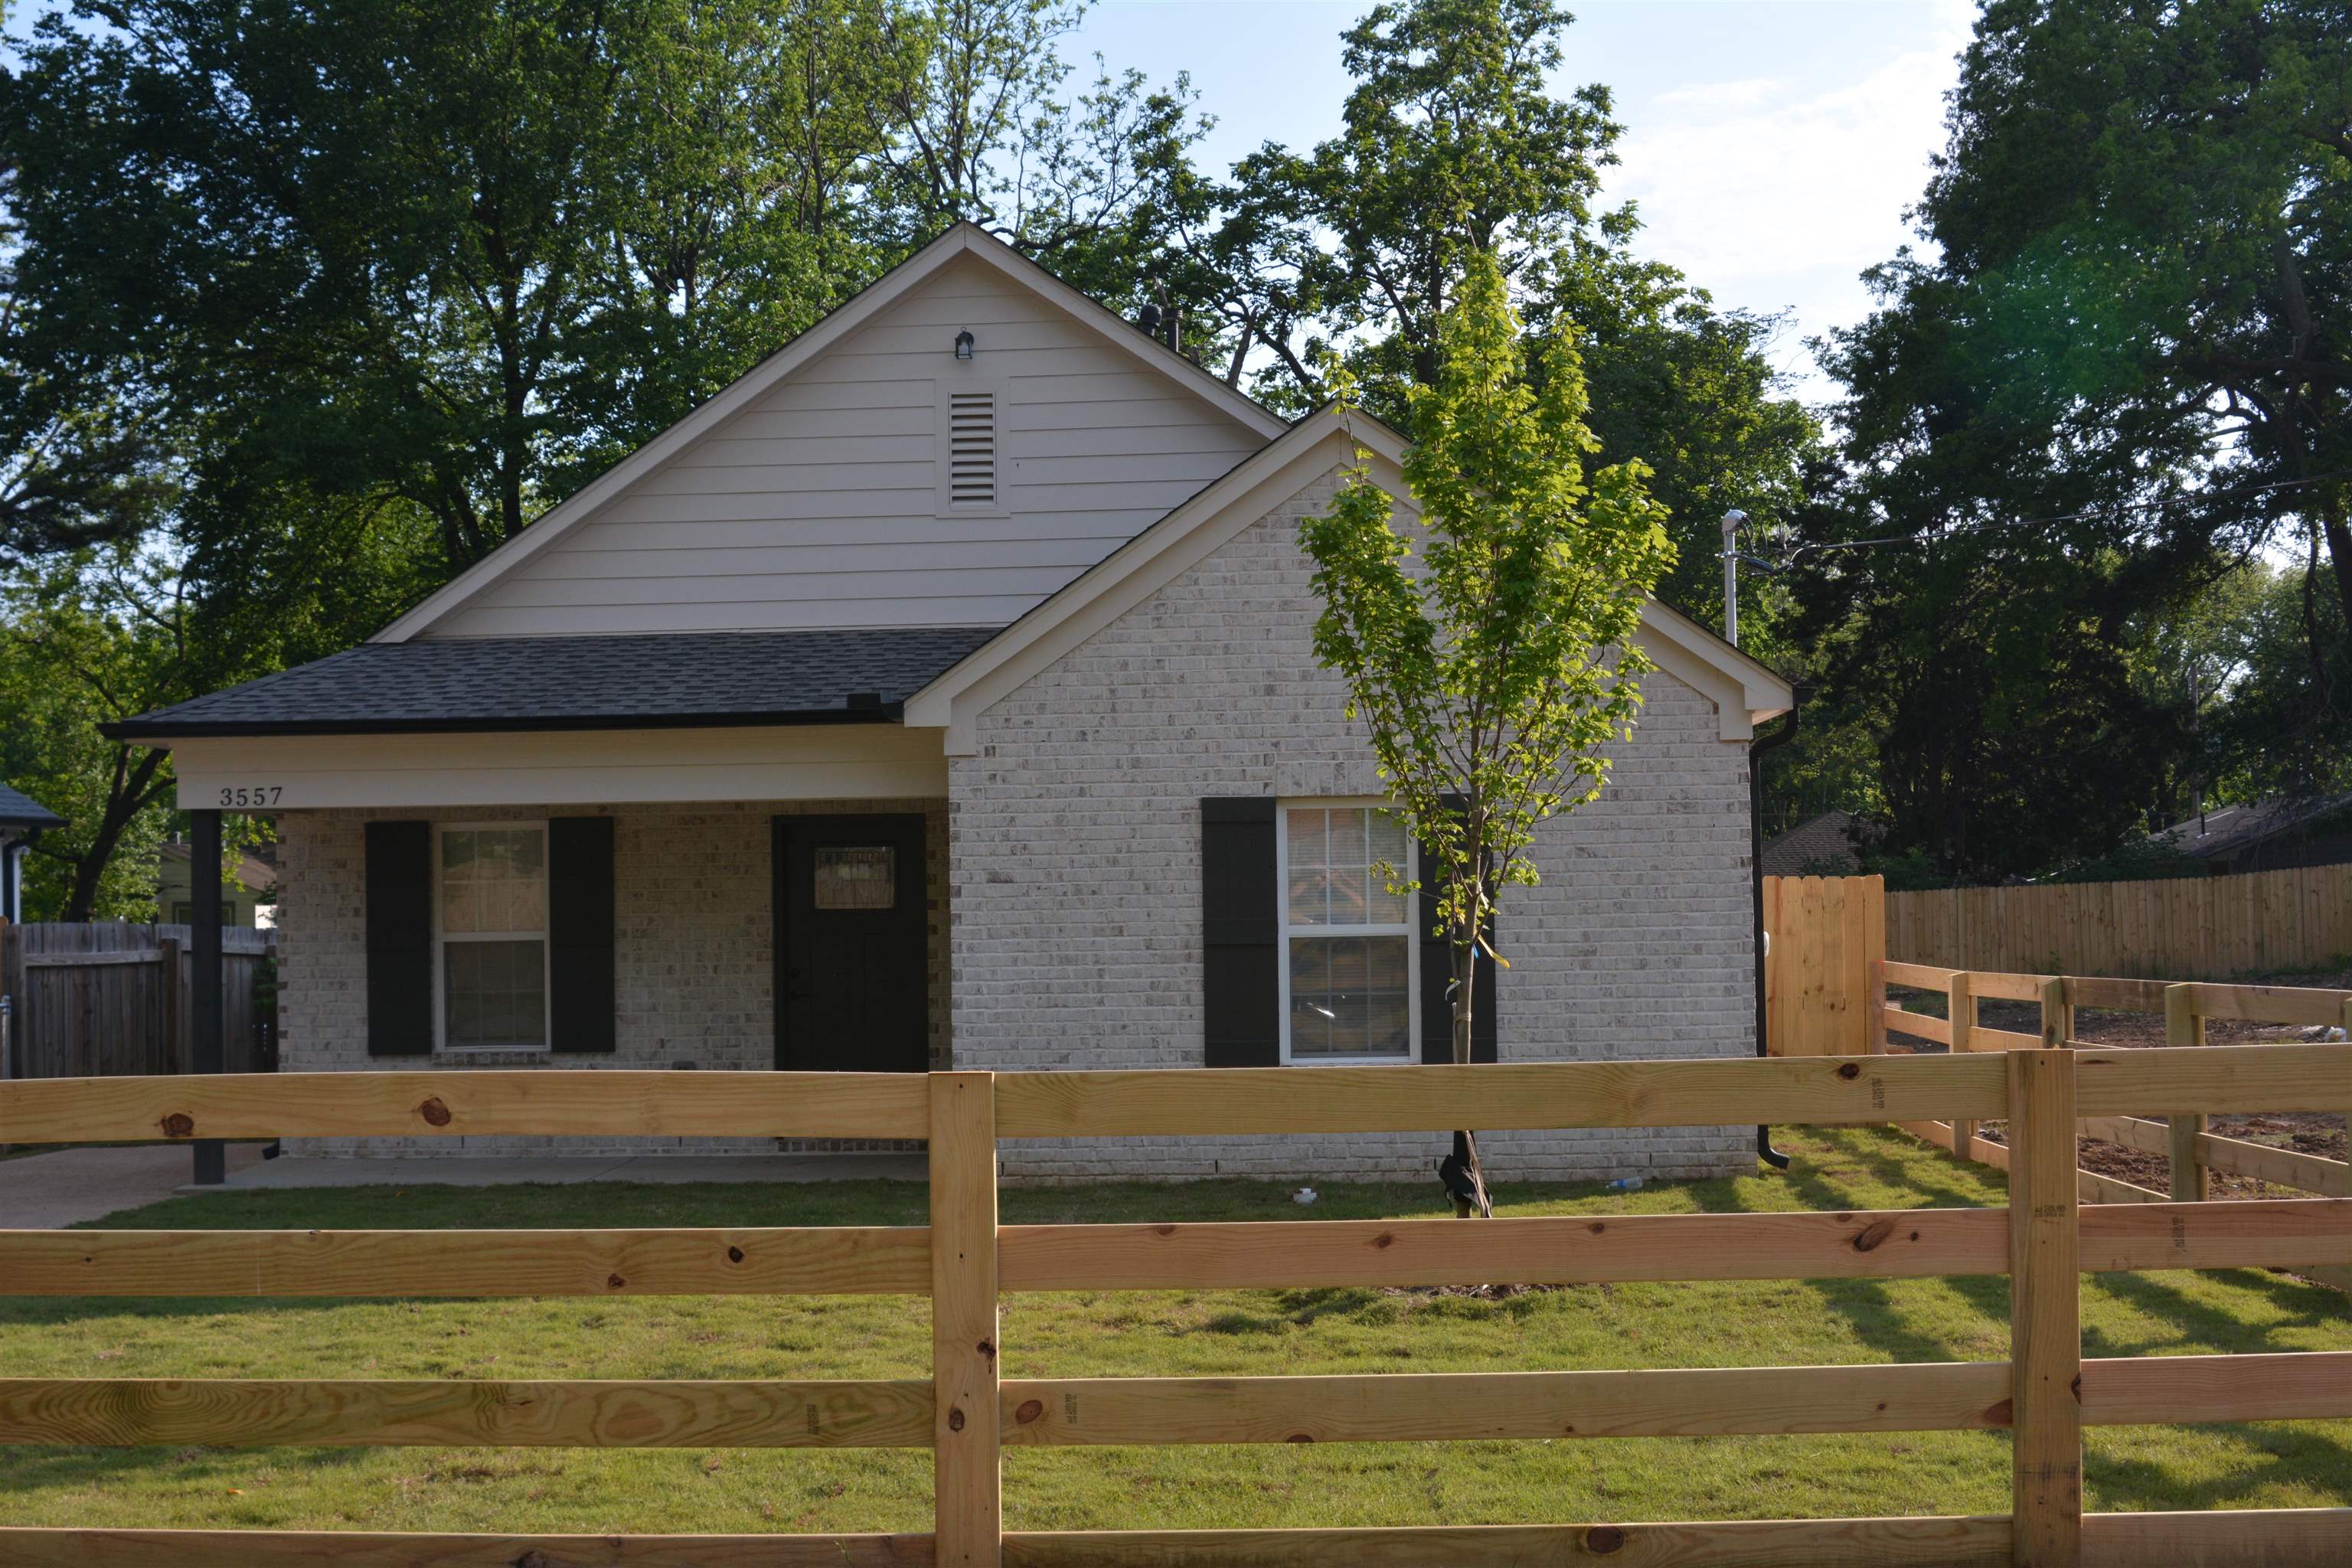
point(1141, 1334)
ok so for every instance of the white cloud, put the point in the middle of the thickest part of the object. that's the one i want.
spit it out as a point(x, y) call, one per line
point(1776, 201)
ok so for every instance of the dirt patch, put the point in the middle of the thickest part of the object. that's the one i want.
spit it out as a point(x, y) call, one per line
point(2307, 1132)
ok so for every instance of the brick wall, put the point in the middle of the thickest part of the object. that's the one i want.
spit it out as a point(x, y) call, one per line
point(1075, 841)
point(692, 948)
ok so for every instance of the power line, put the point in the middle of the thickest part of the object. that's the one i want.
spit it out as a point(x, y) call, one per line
point(1927, 537)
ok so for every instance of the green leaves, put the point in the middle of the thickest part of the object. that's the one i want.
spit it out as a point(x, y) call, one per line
point(1485, 643)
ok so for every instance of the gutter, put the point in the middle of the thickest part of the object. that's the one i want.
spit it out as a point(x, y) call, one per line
point(1756, 750)
point(138, 733)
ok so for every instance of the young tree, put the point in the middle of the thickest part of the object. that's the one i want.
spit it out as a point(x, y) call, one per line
point(1489, 659)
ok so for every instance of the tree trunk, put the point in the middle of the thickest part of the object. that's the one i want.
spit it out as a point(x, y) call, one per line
point(1466, 1143)
point(133, 790)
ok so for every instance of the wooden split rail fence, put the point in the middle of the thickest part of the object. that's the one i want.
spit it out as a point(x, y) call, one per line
point(967, 1412)
point(2193, 1154)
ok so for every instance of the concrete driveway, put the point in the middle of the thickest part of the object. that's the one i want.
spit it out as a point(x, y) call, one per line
point(43, 1192)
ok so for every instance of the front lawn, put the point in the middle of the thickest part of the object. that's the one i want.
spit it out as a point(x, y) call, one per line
point(1191, 1332)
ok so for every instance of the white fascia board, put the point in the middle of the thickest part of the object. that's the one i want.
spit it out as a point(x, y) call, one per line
point(1744, 691)
point(963, 240)
point(1126, 577)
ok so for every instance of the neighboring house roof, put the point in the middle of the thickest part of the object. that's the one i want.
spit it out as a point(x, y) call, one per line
point(1746, 691)
point(1820, 846)
point(19, 809)
point(255, 876)
point(2225, 830)
point(699, 679)
point(964, 240)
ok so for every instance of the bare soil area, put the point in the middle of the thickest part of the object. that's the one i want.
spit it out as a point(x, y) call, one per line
point(2308, 1132)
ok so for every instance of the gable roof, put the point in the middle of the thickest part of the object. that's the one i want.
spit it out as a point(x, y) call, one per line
point(2225, 830)
point(964, 240)
point(19, 809)
point(1746, 693)
point(694, 680)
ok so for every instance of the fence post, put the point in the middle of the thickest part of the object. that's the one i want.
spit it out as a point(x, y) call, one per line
point(967, 1499)
point(2184, 1026)
point(2045, 1305)
point(205, 1053)
point(1961, 1013)
point(1873, 963)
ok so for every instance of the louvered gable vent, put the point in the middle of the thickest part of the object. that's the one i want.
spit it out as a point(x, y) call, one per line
point(972, 448)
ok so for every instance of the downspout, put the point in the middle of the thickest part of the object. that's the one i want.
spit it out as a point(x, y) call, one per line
point(1756, 750)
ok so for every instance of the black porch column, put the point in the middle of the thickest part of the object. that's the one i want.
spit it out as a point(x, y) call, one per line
point(205, 1052)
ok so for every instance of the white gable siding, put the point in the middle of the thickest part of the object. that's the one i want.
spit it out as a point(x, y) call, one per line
point(819, 506)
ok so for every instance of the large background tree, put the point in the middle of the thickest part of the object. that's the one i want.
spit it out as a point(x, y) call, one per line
point(2118, 371)
point(1455, 143)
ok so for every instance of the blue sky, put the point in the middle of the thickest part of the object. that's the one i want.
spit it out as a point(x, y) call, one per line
point(1772, 144)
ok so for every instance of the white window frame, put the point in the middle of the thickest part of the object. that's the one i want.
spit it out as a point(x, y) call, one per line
point(1285, 930)
point(442, 939)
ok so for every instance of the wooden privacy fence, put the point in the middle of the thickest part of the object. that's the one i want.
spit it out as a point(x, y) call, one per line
point(967, 1412)
point(2192, 1152)
point(1824, 937)
point(2198, 928)
point(101, 999)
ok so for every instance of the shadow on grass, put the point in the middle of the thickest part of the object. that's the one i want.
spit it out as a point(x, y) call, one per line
point(2269, 1459)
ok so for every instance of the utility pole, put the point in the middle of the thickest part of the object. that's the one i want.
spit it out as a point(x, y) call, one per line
point(1733, 521)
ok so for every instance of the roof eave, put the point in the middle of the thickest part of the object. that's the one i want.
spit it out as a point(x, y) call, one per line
point(136, 733)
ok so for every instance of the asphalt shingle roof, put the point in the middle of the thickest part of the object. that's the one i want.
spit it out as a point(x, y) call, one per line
point(19, 809)
point(578, 683)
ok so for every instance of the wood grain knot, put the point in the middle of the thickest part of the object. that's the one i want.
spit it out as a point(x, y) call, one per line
point(534, 1558)
point(1030, 1410)
point(178, 1124)
point(1598, 1226)
point(955, 1419)
point(1384, 1241)
point(987, 1351)
point(1163, 1230)
point(1850, 1070)
point(1300, 1437)
point(2003, 1414)
point(734, 1255)
point(613, 1281)
point(1868, 1237)
point(1603, 1540)
point(434, 1111)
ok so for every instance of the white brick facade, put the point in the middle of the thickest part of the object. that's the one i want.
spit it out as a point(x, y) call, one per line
point(1064, 884)
point(692, 946)
point(1075, 845)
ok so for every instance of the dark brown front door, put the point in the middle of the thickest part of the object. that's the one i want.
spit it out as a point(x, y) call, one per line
point(852, 990)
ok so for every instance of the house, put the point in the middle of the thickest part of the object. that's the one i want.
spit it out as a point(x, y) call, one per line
point(1822, 846)
point(23, 819)
point(942, 693)
point(2272, 834)
point(246, 898)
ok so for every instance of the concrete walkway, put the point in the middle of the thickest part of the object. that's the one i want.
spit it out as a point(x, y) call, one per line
point(43, 1192)
point(510, 1169)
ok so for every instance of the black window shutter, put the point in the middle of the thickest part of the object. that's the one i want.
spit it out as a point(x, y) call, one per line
point(400, 939)
point(1437, 977)
point(579, 909)
point(1241, 1006)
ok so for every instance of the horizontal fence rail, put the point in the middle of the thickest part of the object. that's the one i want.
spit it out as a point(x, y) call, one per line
point(2193, 1154)
point(964, 1260)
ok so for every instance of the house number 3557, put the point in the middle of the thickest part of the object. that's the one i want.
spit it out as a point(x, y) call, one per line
point(251, 794)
